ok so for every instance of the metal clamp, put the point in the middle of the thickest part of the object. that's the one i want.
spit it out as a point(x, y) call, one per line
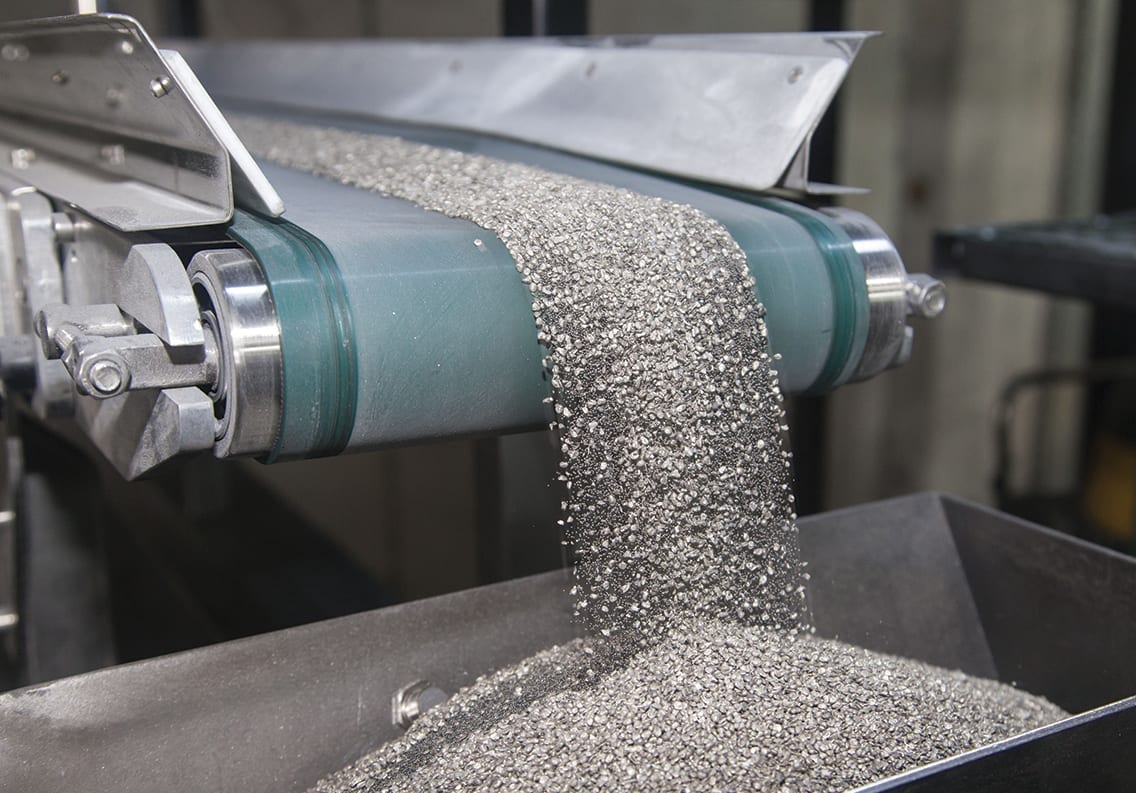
point(106, 357)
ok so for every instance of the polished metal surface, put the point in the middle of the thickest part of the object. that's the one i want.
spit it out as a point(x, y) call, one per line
point(892, 294)
point(728, 109)
point(80, 120)
point(237, 305)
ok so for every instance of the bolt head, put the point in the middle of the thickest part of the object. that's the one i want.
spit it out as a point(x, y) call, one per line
point(926, 296)
point(22, 158)
point(934, 300)
point(160, 86)
point(106, 377)
point(414, 699)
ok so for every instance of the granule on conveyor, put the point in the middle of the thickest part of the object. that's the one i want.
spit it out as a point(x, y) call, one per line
point(713, 707)
point(667, 408)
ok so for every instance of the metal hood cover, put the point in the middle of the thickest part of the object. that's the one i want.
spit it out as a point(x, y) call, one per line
point(734, 110)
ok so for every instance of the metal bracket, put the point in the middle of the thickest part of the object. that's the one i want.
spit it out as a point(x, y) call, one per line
point(32, 267)
point(796, 176)
point(139, 430)
point(92, 114)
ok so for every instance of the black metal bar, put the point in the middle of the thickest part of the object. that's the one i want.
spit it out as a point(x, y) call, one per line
point(1120, 158)
point(809, 427)
point(517, 17)
point(558, 17)
point(1112, 325)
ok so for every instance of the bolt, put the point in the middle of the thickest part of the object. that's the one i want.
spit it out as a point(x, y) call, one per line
point(795, 74)
point(160, 86)
point(926, 296)
point(8, 619)
point(22, 158)
point(14, 53)
point(63, 227)
point(114, 97)
point(126, 47)
point(113, 154)
point(106, 376)
point(60, 77)
point(414, 699)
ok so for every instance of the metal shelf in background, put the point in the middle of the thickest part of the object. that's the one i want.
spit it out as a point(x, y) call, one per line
point(1091, 259)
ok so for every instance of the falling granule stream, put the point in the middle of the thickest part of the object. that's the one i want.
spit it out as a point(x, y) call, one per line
point(667, 407)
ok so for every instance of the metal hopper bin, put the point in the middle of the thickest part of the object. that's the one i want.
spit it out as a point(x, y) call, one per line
point(924, 576)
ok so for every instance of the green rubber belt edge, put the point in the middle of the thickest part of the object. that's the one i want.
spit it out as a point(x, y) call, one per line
point(317, 338)
point(850, 293)
point(849, 290)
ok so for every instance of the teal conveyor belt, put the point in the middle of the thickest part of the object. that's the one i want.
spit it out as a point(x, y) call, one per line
point(431, 331)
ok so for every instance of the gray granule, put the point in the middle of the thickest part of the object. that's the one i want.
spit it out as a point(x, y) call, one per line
point(666, 405)
point(669, 418)
point(711, 707)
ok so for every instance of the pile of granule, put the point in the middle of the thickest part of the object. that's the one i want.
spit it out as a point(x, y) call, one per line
point(713, 707)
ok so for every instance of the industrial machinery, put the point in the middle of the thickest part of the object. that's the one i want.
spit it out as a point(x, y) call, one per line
point(176, 295)
point(167, 293)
